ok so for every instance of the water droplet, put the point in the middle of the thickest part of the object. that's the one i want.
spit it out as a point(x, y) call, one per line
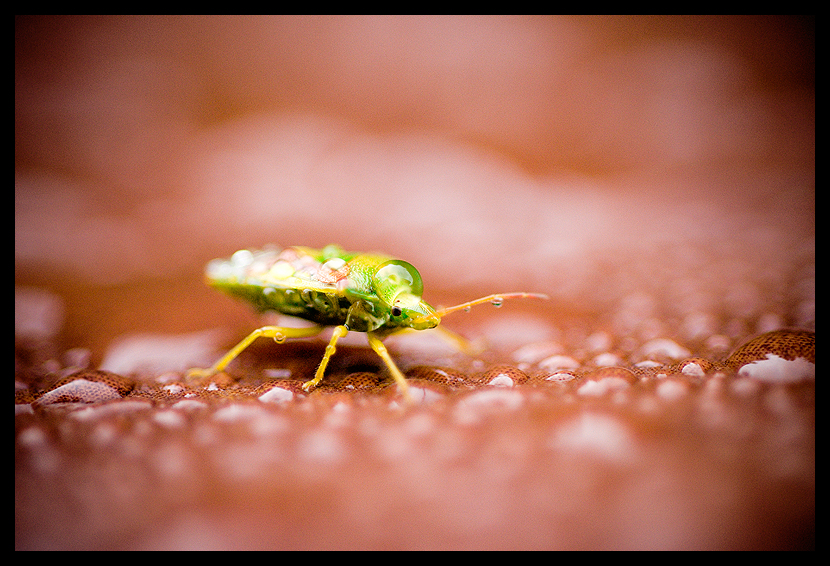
point(277, 395)
point(503, 376)
point(497, 302)
point(467, 309)
point(279, 338)
point(91, 386)
point(277, 373)
point(780, 356)
point(242, 257)
point(281, 270)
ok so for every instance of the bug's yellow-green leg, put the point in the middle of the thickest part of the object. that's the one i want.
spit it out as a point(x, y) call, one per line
point(471, 348)
point(381, 351)
point(458, 342)
point(339, 332)
point(278, 333)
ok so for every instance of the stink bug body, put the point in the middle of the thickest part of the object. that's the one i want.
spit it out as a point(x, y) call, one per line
point(371, 293)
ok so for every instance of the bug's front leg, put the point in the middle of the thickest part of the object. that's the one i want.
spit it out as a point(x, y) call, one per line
point(278, 333)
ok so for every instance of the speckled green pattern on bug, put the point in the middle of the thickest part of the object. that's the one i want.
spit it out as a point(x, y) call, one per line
point(363, 292)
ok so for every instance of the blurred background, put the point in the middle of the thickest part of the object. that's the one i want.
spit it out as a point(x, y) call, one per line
point(654, 175)
point(583, 157)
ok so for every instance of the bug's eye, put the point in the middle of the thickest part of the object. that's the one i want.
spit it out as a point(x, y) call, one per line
point(397, 276)
point(396, 311)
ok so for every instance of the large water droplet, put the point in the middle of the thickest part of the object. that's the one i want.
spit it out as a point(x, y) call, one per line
point(90, 386)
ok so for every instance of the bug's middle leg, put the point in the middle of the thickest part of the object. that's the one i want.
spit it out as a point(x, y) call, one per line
point(278, 333)
point(339, 332)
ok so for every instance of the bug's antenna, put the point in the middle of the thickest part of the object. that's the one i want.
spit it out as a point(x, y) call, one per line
point(495, 300)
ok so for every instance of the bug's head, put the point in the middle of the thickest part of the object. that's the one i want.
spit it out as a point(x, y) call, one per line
point(398, 284)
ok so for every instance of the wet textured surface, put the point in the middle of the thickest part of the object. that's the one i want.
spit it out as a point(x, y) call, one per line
point(688, 454)
point(654, 176)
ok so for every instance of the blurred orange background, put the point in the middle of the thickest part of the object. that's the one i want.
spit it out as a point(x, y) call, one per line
point(494, 153)
point(655, 175)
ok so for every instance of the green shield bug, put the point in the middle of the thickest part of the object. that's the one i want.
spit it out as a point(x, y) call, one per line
point(362, 292)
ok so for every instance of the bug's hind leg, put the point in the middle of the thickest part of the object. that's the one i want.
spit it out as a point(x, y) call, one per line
point(381, 351)
point(278, 333)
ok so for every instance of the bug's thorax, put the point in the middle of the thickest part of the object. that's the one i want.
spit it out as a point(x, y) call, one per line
point(406, 310)
point(386, 294)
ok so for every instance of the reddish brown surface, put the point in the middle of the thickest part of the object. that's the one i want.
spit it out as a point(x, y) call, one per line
point(654, 176)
